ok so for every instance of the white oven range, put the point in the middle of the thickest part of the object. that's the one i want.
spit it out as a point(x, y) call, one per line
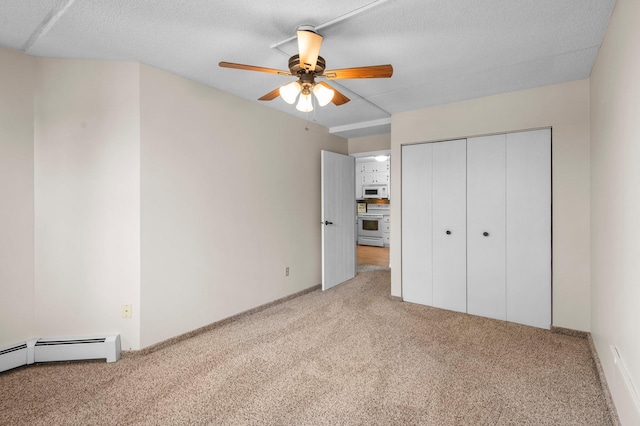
point(371, 225)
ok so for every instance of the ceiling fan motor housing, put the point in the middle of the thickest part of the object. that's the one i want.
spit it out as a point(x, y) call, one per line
point(297, 69)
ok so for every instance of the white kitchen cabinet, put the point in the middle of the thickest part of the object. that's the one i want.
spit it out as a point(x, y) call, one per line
point(371, 172)
point(359, 180)
point(376, 166)
point(369, 178)
point(493, 195)
point(375, 172)
point(386, 229)
point(376, 177)
point(371, 167)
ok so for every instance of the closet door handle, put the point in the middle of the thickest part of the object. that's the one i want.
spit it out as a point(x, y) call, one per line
point(448, 232)
point(486, 234)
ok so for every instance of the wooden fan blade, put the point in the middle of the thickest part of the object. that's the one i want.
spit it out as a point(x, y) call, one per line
point(271, 95)
point(338, 98)
point(252, 68)
point(374, 71)
point(308, 48)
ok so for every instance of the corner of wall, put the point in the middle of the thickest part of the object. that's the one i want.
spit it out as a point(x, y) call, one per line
point(17, 195)
point(615, 246)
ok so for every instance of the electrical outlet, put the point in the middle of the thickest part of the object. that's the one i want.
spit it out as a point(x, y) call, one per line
point(126, 311)
point(286, 271)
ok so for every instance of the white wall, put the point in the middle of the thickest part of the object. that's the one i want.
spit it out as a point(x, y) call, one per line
point(16, 197)
point(370, 143)
point(87, 192)
point(230, 197)
point(565, 107)
point(615, 204)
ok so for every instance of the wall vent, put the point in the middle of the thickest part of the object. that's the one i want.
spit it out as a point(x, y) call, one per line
point(60, 349)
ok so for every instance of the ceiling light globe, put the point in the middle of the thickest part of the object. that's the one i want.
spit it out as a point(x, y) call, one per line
point(304, 103)
point(290, 91)
point(323, 94)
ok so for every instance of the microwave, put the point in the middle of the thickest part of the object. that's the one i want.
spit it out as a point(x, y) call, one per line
point(375, 191)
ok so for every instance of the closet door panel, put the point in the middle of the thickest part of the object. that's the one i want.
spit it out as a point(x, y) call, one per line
point(417, 254)
point(529, 228)
point(486, 285)
point(449, 225)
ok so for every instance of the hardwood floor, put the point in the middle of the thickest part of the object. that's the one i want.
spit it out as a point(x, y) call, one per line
point(368, 255)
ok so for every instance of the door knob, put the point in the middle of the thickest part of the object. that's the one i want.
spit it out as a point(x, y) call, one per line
point(486, 234)
point(326, 222)
point(448, 232)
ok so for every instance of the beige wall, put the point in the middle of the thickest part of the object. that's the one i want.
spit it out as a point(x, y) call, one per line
point(150, 190)
point(16, 197)
point(615, 206)
point(565, 108)
point(230, 197)
point(87, 191)
point(370, 143)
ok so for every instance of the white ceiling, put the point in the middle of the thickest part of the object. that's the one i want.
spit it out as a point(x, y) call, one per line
point(442, 50)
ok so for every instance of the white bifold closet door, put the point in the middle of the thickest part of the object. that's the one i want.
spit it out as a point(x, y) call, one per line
point(434, 224)
point(417, 220)
point(449, 228)
point(528, 244)
point(476, 226)
point(486, 270)
point(509, 227)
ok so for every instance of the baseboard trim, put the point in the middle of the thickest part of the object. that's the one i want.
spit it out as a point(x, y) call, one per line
point(189, 334)
point(569, 332)
point(613, 413)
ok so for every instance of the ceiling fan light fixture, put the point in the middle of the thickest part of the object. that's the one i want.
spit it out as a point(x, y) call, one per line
point(305, 104)
point(306, 66)
point(290, 91)
point(323, 94)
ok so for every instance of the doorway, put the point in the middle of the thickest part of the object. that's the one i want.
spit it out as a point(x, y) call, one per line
point(373, 178)
point(372, 256)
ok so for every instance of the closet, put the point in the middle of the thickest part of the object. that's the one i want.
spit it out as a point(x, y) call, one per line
point(476, 226)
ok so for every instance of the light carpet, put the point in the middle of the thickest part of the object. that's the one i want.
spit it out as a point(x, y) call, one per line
point(349, 356)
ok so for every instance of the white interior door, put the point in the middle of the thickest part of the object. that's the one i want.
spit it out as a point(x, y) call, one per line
point(486, 281)
point(417, 250)
point(338, 219)
point(449, 209)
point(529, 228)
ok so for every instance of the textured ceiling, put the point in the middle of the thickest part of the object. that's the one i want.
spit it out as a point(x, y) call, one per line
point(442, 50)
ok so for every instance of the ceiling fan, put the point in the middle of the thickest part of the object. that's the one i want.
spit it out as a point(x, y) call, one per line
point(308, 65)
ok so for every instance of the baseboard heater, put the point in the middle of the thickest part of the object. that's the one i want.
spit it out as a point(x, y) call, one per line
point(60, 349)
